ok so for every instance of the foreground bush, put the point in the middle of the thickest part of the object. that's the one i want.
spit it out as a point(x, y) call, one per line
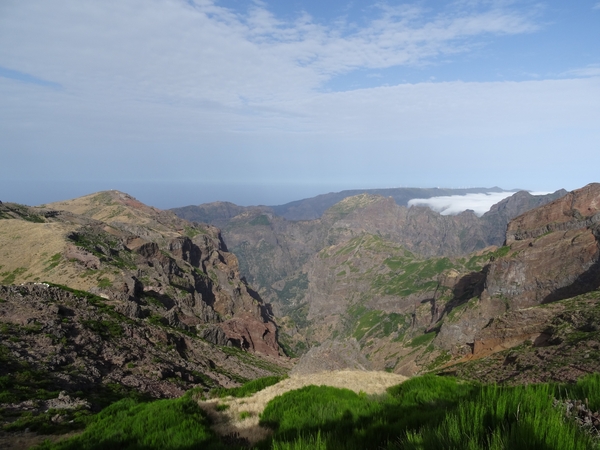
point(129, 425)
point(424, 413)
point(430, 413)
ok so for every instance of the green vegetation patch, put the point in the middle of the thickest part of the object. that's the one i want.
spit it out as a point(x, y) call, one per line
point(191, 232)
point(53, 262)
point(161, 425)
point(260, 220)
point(106, 329)
point(104, 283)
point(429, 413)
point(425, 413)
point(476, 262)
point(346, 206)
point(248, 388)
point(105, 246)
point(9, 277)
point(422, 339)
point(372, 323)
point(408, 275)
point(20, 211)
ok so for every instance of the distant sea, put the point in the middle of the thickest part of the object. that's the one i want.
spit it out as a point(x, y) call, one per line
point(165, 194)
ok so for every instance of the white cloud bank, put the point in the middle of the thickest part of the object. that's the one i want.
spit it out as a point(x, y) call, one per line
point(455, 204)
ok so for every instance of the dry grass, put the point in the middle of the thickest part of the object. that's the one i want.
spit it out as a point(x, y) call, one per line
point(228, 421)
point(30, 246)
point(117, 207)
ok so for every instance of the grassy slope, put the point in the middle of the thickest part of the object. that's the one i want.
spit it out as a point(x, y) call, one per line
point(428, 413)
point(424, 413)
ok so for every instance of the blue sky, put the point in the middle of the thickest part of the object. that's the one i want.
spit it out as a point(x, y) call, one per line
point(188, 101)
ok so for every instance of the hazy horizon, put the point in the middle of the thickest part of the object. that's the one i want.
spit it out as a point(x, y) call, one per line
point(174, 195)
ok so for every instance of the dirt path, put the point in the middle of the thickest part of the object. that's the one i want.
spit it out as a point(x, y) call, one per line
point(229, 422)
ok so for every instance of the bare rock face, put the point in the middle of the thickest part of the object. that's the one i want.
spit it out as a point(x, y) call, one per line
point(553, 254)
point(576, 210)
point(554, 251)
point(555, 342)
point(251, 333)
point(500, 214)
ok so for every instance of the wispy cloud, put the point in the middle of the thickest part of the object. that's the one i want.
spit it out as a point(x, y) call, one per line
point(596, 6)
point(156, 80)
point(592, 70)
point(175, 49)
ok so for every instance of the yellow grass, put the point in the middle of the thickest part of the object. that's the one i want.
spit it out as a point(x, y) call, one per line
point(229, 422)
point(31, 246)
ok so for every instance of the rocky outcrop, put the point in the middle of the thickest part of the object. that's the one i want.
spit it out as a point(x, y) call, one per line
point(553, 254)
point(576, 210)
point(557, 342)
point(152, 263)
point(249, 333)
point(554, 251)
point(81, 341)
point(500, 214)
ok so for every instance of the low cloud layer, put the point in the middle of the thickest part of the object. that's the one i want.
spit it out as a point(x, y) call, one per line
point(455, 204)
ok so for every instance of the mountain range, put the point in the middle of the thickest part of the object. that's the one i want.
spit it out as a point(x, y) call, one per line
point(104, 297)
point(316, 272)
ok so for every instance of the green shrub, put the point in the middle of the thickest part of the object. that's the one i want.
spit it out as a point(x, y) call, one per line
point(500, 417)
point(107, 329)
point(128, 425)
point(422, 339)
point(428, 413)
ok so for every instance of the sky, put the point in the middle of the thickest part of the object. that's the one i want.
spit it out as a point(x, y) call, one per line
point(182, 102)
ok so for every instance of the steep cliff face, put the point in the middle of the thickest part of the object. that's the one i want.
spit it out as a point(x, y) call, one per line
point(554, 251)
point(552, 254)
point(152, 262)
point(558, 341)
